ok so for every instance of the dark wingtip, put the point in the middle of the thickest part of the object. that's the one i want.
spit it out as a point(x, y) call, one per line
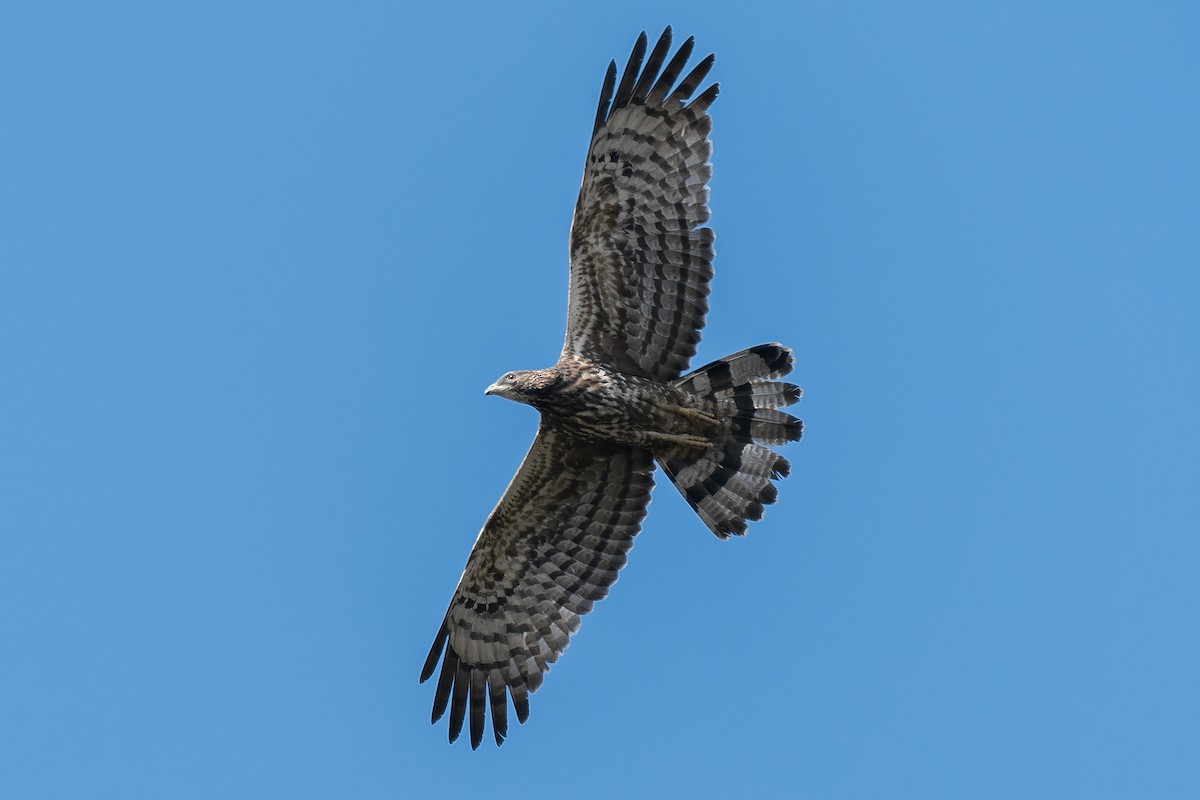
point(667, 79)
point(441, 696)
point(693, 79)
point(650, 69)
point(499, 701)
point(458, 704)
point(606, 92)
point(521, 706)
point(648, 83)
point(706, 98)
point(478, 704)
point(431, 660)
point(632, 68)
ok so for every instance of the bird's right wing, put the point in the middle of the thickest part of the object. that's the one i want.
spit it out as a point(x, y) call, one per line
point(550, 549)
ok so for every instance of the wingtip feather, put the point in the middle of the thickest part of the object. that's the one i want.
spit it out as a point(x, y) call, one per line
point(458, 704)
point(431, 660)
point(693, 79)
point(478, 706)
point(606, 92)
point(632, 68)
point(650, 70)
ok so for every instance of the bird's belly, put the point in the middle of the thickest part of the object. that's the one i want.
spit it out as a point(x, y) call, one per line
point(654, 416)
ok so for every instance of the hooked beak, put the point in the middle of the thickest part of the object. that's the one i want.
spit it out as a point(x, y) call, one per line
point(493, 389)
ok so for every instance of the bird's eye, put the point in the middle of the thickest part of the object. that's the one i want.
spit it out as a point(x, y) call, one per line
point(510, 377)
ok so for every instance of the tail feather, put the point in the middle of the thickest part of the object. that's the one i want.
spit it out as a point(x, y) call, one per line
point(766, 426)
point(730, 483)
point(765, 394)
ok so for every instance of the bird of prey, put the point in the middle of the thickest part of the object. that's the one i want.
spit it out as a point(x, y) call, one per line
point(617, 402)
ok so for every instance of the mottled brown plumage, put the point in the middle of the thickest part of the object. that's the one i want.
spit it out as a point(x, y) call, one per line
point(615, 403)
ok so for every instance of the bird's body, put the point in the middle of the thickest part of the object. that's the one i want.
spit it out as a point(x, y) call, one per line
point(617, 403)
point(599, 404)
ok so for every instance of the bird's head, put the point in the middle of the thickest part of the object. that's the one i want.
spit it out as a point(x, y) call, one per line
point(524, 386)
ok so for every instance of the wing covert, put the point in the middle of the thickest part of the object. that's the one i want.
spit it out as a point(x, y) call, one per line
point(640, 261)
point(550, 549)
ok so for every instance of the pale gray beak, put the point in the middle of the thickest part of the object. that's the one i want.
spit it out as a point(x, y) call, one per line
point(493, 389)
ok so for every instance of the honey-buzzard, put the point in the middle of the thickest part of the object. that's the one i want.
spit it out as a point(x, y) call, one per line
point(616, 403)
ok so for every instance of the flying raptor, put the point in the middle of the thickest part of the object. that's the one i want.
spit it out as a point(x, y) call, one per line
point(617, 402)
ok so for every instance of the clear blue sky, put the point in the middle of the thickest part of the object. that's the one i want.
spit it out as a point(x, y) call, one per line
point(259, 261)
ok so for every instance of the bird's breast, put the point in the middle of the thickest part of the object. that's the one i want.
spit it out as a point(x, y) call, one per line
point(599, 404)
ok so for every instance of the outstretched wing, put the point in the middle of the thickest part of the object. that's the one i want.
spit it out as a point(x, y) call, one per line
point(550, 549)
point(640, 262)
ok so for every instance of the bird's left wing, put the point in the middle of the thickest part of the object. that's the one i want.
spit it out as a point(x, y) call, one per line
point(550, 549)
point(640, 262)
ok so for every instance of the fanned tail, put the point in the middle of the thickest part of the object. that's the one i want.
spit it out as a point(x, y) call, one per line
point(730, 482)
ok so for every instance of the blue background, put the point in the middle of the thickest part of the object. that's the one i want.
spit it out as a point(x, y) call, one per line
point(258, 262)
